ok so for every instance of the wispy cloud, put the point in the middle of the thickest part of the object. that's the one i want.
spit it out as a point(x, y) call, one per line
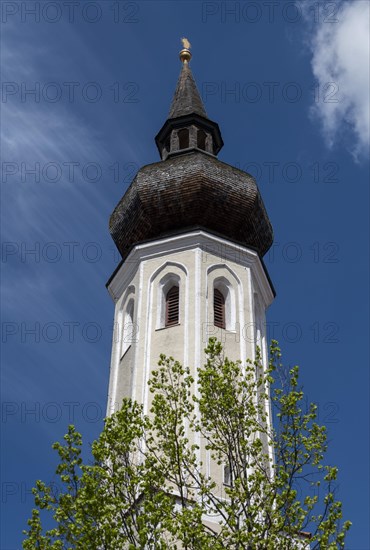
point(36, 210)
point(35, 133)
point(340, 63)
point(67, 135)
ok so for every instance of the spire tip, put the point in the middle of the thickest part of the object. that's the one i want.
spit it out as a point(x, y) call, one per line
point(185, 54)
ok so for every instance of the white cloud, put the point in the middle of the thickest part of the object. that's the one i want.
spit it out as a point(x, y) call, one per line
point(340, 55)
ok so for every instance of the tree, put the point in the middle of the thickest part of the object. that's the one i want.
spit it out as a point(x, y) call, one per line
point(147, 485)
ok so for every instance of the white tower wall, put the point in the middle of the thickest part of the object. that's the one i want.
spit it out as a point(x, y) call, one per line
point(198, 262)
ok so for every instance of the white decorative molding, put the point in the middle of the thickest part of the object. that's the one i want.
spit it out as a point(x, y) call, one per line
point(139, 313)
point(169, 279)
point(208, 243)
point(228, 290)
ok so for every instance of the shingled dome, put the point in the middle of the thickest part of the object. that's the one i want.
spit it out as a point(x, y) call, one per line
point(190, 188)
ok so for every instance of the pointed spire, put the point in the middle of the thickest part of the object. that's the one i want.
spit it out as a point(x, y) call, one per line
point(188, 127)
point(187, 99)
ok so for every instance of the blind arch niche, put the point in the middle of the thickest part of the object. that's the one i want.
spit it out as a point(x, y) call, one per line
point(127, 327)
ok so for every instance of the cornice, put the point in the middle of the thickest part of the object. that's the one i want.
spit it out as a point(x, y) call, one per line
point(192, 240)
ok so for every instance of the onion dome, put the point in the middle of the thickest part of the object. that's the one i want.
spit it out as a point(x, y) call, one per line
point(190, 188)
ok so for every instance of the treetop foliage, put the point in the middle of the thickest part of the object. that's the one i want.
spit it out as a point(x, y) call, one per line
point(205, 469)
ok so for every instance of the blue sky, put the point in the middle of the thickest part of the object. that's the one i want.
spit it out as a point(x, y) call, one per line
point(288, 84)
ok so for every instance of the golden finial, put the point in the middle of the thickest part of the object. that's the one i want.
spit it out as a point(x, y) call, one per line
point(185, 54)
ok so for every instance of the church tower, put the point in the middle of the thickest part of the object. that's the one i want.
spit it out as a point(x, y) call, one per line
point(192, 231)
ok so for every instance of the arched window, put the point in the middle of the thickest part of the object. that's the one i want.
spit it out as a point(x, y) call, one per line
point(201, 139)
point(227, 475)
point(166, 148)
point(172, 306)
point(169, 289)
point(183, 136)
point(219, 308)
point(224, 304)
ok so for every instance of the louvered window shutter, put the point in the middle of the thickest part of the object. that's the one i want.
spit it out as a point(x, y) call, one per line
point(227, 475)
point(219, 309)
point(172, 306)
